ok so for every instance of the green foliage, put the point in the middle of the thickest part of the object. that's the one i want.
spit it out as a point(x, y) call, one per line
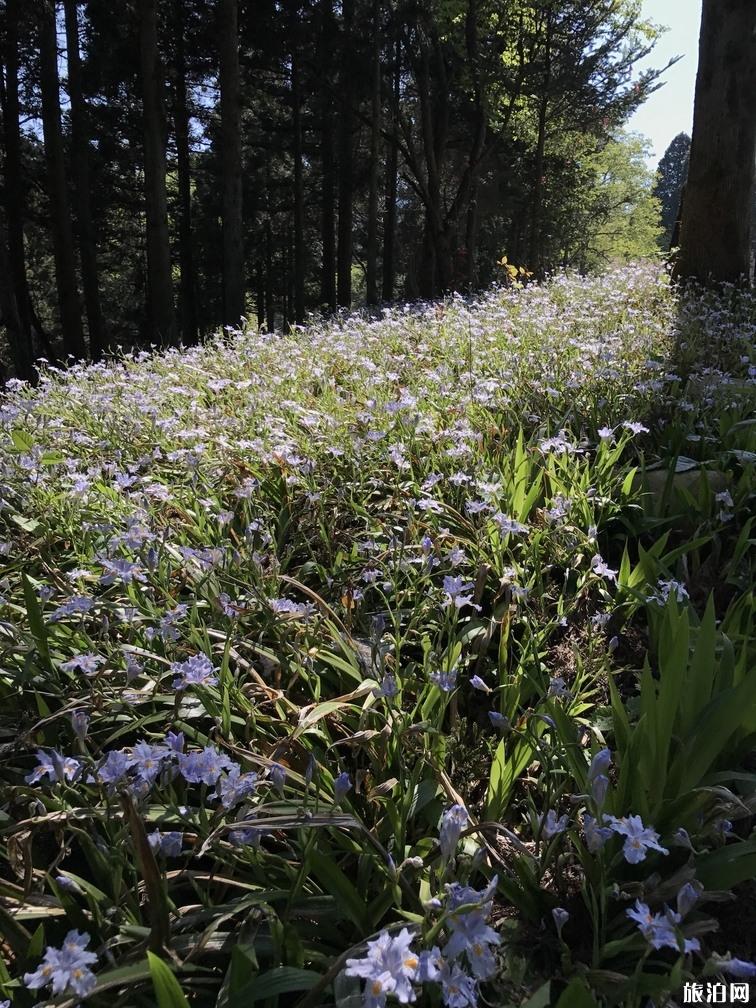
point(451, 555)
point(619, 212)
point(668, 187)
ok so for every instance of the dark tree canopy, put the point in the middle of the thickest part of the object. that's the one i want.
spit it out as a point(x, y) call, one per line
point(671, 175)
point(199, 161)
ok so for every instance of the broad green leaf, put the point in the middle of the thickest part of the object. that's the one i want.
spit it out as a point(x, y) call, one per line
point(167, 988)
point(281, 980)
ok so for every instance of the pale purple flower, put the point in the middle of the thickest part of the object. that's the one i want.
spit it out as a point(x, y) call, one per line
point(388, 687)
point(66, 968)
point(86, 663)
point(458, 592)
point(204, 767)
point(660, 930)
point(739, 968)
point(469, 930)
point(390, 966)
point(277, 774)
point(80, 723)
point(687, 897)
point(456, 556)
point(551, 826)
point(600, 763)
point(287, 607)
point(599, 786)
point(121, 570)
point(234, 786)
point(195, 671)
point(148, 760)
point(561, 917)
point(509, 526)
point(453, 822)
point(68, 884)
point(477, 683)
point(638, 838)
point(54, 765)
point(666, 588)
point(430, 965)
point(167, 844)
point(446, 681)
point(78, 605)
point(341, 785)
point(458, 990)
point(558, 689)
point(247, 836)
point(498, 720)
point(600, 567)
point(116, 765)
point(175, 742)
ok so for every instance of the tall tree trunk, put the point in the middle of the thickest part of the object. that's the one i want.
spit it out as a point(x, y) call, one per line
point(328, 162)
point(14, 198)
point(260, 306)
point(188, 290)
point(18, 340)
point(468, 189)
point(270, 309)
point(346, 182)
point(471, 238)
point(535, 244)
point(371, 278)
point(231, 159)
point(296, 122)
point(433, 96)
point(160, 312)
point(392, 175)
point(80, 164)
point(286, 293)
point(716, 216)
point(60, 215)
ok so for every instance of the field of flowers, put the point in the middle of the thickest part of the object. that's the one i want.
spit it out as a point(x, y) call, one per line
point(390, 660)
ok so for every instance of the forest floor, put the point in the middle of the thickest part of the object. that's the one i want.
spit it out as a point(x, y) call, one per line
point(433, 632)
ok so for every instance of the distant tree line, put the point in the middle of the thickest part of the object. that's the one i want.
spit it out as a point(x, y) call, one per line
point(172, 165)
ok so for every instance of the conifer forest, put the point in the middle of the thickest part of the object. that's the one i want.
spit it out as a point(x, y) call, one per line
point(377, 503)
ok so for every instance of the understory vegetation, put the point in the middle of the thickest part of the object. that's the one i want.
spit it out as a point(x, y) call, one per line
point(391, 659)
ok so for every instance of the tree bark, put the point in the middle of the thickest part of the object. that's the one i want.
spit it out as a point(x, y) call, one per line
point(80, 164)
point(19, 342)
point(296, 122)
point(328, 162)
point(60, 214)
point(161, 321)
point(346, 182)
point(715, 225)
point(433, 98)
point(392, 176)
point(231, 159)
point(14, 198)
point(260, 306)
point(188, 289)
point(535, 244)
point(270, 309)
point(371, 275)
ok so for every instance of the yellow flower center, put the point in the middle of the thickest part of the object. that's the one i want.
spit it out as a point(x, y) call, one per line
point(411, 963)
